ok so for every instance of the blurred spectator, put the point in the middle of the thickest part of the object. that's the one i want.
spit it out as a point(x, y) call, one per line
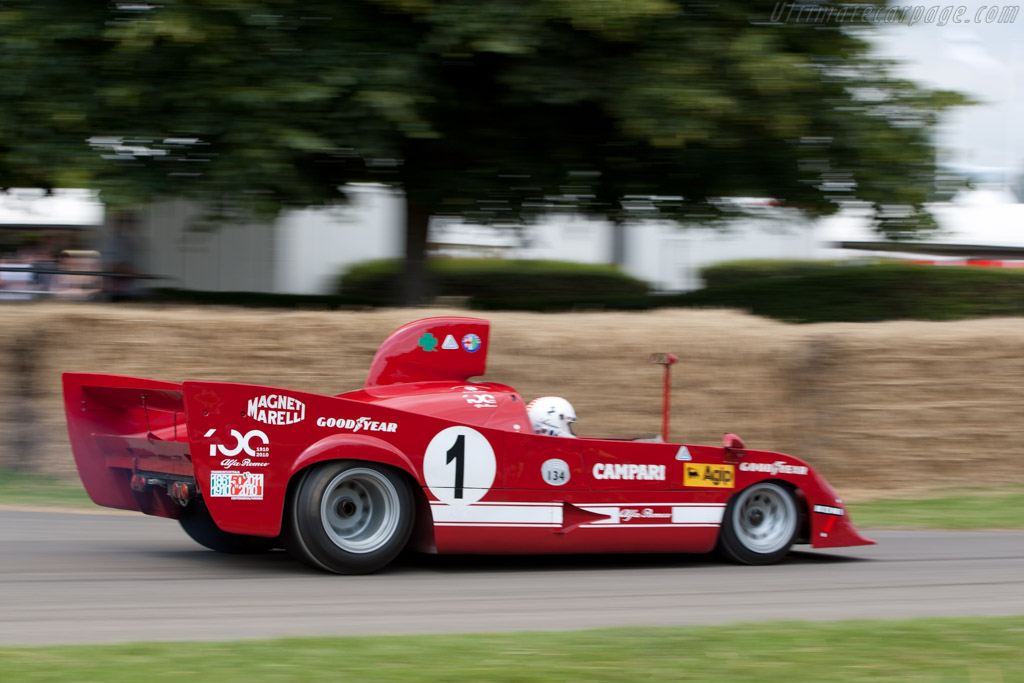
point(38, 254)
point(120, 253)
point(14, 284)
point(68, 286)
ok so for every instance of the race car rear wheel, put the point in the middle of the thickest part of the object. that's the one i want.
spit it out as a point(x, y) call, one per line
point(760, 524)
point(350, 517)
point(195, 519)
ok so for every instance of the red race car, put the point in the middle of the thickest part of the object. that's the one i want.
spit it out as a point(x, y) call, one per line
point(423, 457)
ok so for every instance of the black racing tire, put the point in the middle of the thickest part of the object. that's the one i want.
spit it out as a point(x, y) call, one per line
point(349, 517)
point(760, 524)
point(195, 519)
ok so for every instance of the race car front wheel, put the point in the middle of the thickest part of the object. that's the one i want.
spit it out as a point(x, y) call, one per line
point(759, 524)
point(349, 517)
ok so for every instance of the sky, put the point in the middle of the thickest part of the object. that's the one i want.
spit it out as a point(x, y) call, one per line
point(982, 60)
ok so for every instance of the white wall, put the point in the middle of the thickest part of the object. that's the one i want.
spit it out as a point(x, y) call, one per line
point(665, 254)
point(302, 252)
point(314, 246)
point(227, 258)
point(674, 256)
point(569, 238)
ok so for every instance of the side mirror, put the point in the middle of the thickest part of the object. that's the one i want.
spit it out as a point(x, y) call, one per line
point(732, 442)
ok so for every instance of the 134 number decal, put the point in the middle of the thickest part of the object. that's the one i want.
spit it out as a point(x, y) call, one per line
point(459, 466)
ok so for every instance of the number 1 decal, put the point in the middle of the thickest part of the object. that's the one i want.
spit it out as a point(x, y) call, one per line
point(459, 466)
point(458, 454)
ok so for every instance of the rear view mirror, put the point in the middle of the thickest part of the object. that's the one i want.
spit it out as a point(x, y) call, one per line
point(732, 442)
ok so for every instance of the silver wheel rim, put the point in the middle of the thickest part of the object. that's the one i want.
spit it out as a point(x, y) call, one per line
point(360, 510)
point(764, 518)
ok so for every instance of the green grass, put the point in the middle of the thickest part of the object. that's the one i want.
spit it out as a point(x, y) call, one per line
point(922, 650)
point(968, 509)
point(32, 489)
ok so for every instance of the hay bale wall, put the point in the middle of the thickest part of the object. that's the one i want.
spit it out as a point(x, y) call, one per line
point(19, 366)
point(880, 408)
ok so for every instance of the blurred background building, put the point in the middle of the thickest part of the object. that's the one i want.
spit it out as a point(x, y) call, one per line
point(304, 252)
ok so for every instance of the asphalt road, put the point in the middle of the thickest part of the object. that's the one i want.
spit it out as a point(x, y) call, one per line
point(90, 578)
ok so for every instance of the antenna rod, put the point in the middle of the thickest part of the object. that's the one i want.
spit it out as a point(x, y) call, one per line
point(666, 359)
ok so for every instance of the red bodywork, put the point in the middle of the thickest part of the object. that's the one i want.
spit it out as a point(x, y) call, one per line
point(487, 483)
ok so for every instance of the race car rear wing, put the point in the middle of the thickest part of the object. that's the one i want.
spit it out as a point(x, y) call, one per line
point(129, 439)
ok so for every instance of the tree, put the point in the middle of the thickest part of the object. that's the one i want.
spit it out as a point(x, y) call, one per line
point(492, 110)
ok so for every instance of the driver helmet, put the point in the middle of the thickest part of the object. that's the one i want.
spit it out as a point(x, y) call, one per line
point(551, 416)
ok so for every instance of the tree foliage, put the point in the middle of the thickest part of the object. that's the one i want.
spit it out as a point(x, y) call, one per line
point(493, 110)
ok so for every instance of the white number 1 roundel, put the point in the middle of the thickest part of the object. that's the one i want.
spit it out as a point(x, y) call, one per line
point(459, 466)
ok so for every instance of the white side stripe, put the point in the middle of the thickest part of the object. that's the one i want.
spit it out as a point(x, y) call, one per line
point(508, 514)
point(497, 525)
point(639, 526)
point(548, 514)
point(698, 515)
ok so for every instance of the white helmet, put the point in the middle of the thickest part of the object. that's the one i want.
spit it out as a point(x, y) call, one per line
point(551, 416)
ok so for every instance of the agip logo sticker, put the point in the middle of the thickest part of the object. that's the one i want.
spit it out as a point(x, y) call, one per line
point(236, 485)
point(710, 476)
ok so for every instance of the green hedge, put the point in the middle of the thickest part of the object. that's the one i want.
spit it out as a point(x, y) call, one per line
point(492, 284)
point(733, 273)
point(794, 291)
point(845, 292)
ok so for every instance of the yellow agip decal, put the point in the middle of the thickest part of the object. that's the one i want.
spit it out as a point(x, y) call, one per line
point(710, 476)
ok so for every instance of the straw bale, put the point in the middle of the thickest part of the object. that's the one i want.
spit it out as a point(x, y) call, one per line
point(18, 363)
point(879, 408)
